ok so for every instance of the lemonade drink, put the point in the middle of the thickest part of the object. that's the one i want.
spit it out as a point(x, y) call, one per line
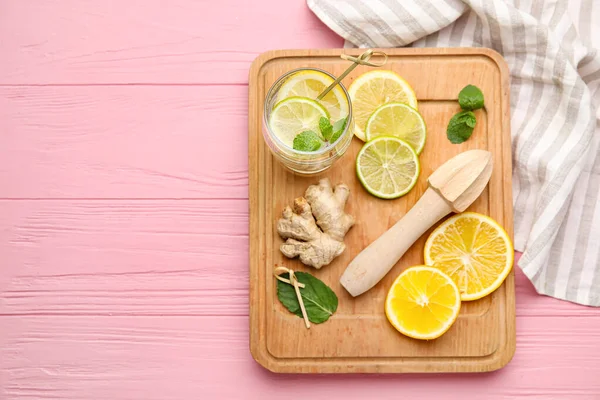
point(304, 133)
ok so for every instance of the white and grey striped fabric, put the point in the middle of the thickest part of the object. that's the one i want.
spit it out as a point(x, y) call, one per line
point(552, 49)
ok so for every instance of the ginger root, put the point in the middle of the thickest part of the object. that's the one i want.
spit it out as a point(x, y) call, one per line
point(321, 207)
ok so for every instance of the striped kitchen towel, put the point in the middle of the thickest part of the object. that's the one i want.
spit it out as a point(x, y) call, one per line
point(551, 47)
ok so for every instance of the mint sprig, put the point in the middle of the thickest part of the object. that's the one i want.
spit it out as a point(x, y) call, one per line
point(326, 128)
point(307, 141)
point(312, 141)
point(460, 127)
point(470, 98)
point(338, 129)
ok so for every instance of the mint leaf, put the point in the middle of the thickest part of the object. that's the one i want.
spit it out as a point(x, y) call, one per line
point(319, 300)
point(338, 129)
point(307, 141)
point(468, 120)
point(325, 128)
point(460, 127)
point(470, 98)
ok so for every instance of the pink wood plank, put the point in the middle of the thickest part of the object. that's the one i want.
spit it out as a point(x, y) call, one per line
point(151, 257)
point(157, 358)
point(148, 41)
point(119, 142)
point(146, 257)
point(147, 298)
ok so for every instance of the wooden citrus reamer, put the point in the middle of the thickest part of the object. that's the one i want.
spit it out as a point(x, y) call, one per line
point(454, 186)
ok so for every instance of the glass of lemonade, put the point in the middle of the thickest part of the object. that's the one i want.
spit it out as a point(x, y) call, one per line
point(307, 135)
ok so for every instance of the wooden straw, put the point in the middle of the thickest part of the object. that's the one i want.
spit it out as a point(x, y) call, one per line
point(363, 59)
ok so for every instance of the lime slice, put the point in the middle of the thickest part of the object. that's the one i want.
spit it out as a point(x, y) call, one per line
point(295, 115)
point(387, 167)
point(310, 84)
point(398, 120)
point(374, 89)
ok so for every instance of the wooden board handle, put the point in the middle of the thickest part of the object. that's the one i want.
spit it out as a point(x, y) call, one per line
point(376, 260)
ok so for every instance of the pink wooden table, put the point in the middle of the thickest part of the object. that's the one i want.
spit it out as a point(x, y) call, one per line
point(124, 215)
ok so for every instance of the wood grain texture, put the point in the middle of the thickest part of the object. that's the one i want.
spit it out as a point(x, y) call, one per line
point(124, 142)
point(147, 42)
point(78, 251)
point(158, 357)
point(358, 338)
point(129, 257)
point(142, 257)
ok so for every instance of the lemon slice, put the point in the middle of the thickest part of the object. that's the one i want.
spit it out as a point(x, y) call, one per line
point(387, 167)
point(374, 89)
point(295, 115)
point(399, 120)
point(422, 303)
point(311, 84)
point(474, 250)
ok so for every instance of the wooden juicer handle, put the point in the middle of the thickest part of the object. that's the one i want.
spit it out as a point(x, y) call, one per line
point(376, 260)
point(454, 186)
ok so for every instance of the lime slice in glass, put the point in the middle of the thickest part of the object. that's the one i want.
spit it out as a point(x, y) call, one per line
point(310, 83)
point(295, 115)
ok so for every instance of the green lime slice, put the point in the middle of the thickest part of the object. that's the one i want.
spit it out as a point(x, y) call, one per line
point(387, 167)
point(295, 115)
point(310, 83)
point(398, 120)
point(374, 89)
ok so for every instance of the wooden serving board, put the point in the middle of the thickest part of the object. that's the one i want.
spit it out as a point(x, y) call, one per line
point(358, 337)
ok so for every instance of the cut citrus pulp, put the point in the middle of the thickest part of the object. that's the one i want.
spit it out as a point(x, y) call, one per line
point(387, 167)
point(399, 120)
point(374, 89)
point(422, 303)
point(311, 84)
point(474, 250)
point(295, 115)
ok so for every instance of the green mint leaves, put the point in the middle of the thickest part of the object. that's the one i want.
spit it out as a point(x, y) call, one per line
point(470, 98)
point(319, 300)
point(326, 128)
point(311, 141)
point(338, 129)
point(460, 128)
point(307, 141)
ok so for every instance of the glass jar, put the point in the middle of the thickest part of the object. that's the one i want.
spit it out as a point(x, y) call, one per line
point(305, 162)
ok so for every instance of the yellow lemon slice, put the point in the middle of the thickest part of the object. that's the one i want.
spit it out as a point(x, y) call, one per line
point(422, 303)
point(474, 250)
point(311, 84)
point(373, 89)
